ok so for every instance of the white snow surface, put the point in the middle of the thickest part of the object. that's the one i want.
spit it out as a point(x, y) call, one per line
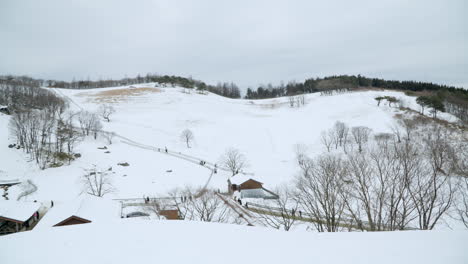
point(143, 241)
point(20, 211)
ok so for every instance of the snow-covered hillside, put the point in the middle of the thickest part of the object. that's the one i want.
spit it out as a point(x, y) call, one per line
point(264, 130)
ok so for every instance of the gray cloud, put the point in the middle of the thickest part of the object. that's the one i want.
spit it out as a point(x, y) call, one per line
point(248, 42)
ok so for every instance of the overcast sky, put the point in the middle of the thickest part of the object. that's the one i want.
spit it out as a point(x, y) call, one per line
point(248, 42)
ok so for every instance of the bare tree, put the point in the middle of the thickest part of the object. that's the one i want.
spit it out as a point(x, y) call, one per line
point(284, 213)
point(202, 205)
point(95, 126)
point(367, 192)
point(462, 208)
point(187, 137)
point(97, 182)
point(291, 101)
point(106, 111)
point(301, 153)
point(396, 132)
point(360, 136)
point(326, 137)
point(109, 136)
point(84, 119)
point(155, 206)
point(341, 132)
point(409, 126)
point(320, 192)
point(383, 139)
point(234, 160)
point(432, 190)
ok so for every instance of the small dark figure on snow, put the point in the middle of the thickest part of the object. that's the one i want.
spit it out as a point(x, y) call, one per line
point(247, 205)
point(240, 201)
point(300, 213)
point(293, 212)
point(165, 149)
point(51, 203)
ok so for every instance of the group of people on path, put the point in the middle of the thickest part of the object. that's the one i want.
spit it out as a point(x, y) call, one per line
point(184, 198)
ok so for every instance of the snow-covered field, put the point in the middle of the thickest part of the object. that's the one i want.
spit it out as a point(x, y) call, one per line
point(265, 131)
point(141, 241)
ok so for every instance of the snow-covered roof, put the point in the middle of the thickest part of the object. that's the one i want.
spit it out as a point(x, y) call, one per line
point(18, 211)
point(239, 178)
point(94, 209)
point(9, 182)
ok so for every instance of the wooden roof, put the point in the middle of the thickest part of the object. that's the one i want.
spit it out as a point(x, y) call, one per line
point(75, 218)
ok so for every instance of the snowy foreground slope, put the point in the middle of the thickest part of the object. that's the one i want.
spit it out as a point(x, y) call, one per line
point(133, 241)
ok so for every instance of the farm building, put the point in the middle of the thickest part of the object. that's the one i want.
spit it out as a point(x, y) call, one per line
point(236, 183)
point(83, 211)
point(250, 188)
point(17, 216)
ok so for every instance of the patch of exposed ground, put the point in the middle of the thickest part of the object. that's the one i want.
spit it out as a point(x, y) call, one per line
point(118, 95)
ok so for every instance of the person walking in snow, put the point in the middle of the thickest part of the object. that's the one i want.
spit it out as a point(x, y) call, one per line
point(51, 204)
point(165, 149)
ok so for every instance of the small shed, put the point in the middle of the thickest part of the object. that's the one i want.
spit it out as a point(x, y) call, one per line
point(170, 214)
point(17, 216)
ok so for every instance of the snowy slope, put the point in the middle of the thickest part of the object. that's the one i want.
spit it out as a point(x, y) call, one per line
point(133, 241)
point(264, 130)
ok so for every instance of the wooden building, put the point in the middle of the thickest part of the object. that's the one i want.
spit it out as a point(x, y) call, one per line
point(236, 184)
point(17, 216)
point(250, 184)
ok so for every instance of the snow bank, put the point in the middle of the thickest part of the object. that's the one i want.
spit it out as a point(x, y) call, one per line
point(134, 241)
